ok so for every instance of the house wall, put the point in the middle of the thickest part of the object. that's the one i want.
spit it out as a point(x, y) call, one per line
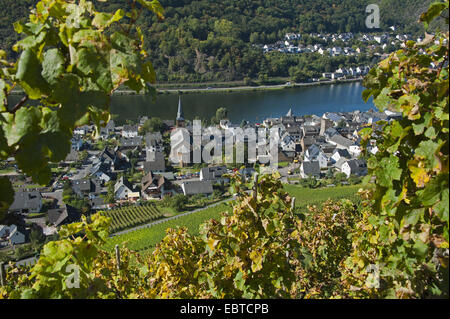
point(346, 169)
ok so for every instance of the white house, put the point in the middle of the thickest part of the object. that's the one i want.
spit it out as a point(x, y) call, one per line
point(314, 153)
point(123, 189)
point(340, 153)
point(354, 167)
point(355, 150)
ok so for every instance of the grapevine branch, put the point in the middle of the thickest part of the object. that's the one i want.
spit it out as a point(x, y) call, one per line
point(19, 104)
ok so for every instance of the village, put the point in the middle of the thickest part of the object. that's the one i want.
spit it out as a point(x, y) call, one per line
point(340, 45)
point(123, 166)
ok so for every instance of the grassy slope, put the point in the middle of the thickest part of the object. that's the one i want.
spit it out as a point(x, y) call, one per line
point(145, 239)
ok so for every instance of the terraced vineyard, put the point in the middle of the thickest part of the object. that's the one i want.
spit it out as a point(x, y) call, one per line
point(147, 238)
point(144, 240)
point(127, 217)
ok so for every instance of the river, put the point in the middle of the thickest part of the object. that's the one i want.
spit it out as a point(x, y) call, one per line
point(253, 106)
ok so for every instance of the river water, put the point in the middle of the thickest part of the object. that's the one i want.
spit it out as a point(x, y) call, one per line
point(253, 106)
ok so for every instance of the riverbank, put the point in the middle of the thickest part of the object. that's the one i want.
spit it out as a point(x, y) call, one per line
point(230, 89)
point(287, 85)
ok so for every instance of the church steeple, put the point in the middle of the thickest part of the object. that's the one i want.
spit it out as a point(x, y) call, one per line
point(180, 114)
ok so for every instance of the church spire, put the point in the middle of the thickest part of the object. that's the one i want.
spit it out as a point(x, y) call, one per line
point(180, 114)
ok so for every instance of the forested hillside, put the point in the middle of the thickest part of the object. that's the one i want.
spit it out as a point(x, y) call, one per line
point(211, 40)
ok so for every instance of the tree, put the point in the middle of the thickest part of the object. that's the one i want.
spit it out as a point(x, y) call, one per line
point(153, 124)
point(133, 162)
point(83, 156)
point(339, 177)
point(221, 113)
point(223, 27)
point(177, 202)
point(254, 38)
point(37, 237)
point(72, 59)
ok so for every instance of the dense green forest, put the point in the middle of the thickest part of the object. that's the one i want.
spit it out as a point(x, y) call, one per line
point(211, 40)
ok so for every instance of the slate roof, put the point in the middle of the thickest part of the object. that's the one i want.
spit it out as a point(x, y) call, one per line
point(157, 163)
point(26, 200)
point(100, 167)
point(330, 132)
point(83, 186)
point(334, 117)
point(197, 187)
point(311, 168)
point(328, 148)
point(313, 151)
point(107, 155)
point(153, 139)
point(308, 141)
point(357, 166)
point(98, 201)
point(293, 130)
point(63, 215)
point(342, 153)
point(342, 141)
point(72, 156)
point(340, 162)
point(309, 130)
point(130, 128)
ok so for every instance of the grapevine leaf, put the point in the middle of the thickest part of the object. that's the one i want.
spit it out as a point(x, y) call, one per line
point(29, 75)
point(52, 65)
